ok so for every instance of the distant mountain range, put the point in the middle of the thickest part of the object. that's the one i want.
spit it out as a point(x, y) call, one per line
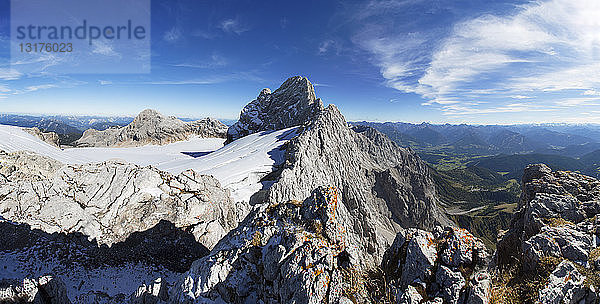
point(566, 140)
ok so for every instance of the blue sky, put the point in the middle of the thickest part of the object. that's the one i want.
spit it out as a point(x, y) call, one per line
point(439, 61)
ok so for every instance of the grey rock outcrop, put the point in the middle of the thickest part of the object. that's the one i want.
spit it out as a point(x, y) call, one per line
point(554, 213)
point(43, 290)
point(556, 225)
point(48, 137)
point(291, 252)
point(449, 265)
point(151, 127)
point(109, 201)
point(293, 104)
point(383, 186)
point(26, 166)
point(565, 285)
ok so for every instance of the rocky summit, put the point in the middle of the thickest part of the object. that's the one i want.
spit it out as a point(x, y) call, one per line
point(293, 104)
point(151, 127)
point(384, 187)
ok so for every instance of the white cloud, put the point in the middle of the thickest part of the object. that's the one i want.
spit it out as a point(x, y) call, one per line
point(9, 74)
point(40, 87)
point(591, 92)
point(328, 45)
point(233, 26)
point(172, 35)
point(105, 82)
point(570, 102)
point(104, 48)
point(214, 61)
point(541, 47)
point(215, 79)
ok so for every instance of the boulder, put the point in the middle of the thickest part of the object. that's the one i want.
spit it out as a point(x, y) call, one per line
point(451, 284)
point(410, 296)
point(565, 285)
point(42, 290)
point(421, 255)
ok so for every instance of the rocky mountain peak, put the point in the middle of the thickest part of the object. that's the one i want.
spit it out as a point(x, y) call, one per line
point(152, 127)
point(149, 115)
point(298, 87)
point(384, 187)
point(292, 104)
point(535, 171)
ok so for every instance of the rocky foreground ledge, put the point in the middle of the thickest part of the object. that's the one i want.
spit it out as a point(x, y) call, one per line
point(550, 253)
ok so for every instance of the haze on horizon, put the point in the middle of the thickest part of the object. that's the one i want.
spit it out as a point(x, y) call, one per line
point(504, 62)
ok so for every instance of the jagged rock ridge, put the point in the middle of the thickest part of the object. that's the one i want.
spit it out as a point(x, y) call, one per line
point(48, 137)
point(301, 252)
point(303, 239)
point(151, 127)
point(293, 104)
point(383, 186)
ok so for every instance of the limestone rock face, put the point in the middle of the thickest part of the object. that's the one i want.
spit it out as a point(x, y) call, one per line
point(293, 104)
point(26, 166)
point(109, 201)
point(383, 186)
point(449, 265)
point(48, 137)
point(151, 127)
point(555, 221)
point(555, 213)
point(43, 290)
point(565, 285)
point(291, 252)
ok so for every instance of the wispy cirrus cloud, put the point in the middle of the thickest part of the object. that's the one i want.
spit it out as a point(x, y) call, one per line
point(173, 34)
point(40, 87)
point(105, 48)
point(233, 26)
point(485, 62)
point(9, 74)
point(226, 77)
point(214, 61)
point(329, 45)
